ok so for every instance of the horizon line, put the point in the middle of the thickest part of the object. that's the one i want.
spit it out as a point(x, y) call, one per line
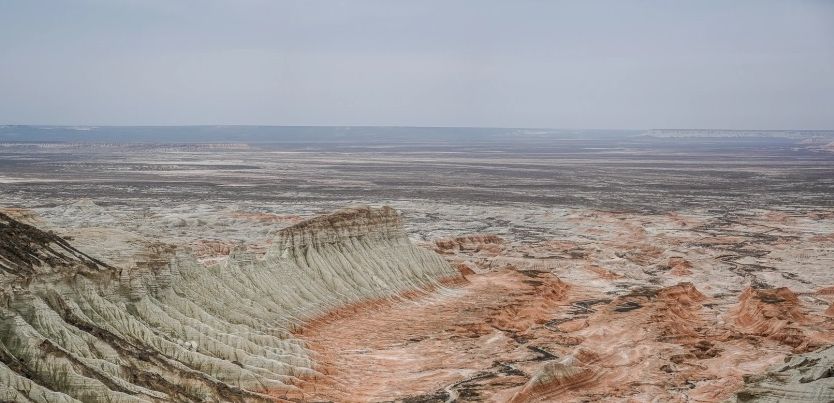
point(88, 126)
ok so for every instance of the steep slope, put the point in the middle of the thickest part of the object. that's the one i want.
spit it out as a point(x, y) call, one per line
point(26, 251)
point(171, 329)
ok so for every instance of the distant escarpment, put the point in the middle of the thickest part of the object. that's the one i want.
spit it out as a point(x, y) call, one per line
point(73, 328)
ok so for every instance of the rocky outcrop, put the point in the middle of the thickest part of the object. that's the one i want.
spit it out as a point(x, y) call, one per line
point(473, 243)
point(773, 313)
point(802, 378)
point(553, 379)
point(679, 266)
point(171, 329)
point(26, 251)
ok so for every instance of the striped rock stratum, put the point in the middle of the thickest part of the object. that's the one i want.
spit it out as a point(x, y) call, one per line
point(73, 328)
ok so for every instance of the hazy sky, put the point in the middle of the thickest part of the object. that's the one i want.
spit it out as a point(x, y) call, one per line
point(562, 64)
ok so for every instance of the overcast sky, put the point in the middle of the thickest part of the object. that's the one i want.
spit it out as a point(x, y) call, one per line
point(559, 64)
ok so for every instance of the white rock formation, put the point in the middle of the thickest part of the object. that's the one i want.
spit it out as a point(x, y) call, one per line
point(75, 329)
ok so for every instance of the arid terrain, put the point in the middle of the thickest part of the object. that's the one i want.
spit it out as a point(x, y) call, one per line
point(502, 266)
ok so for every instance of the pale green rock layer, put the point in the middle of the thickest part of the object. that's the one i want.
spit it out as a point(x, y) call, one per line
point(75, 329)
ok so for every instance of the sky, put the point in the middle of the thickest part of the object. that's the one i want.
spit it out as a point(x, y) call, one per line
point(618, 64)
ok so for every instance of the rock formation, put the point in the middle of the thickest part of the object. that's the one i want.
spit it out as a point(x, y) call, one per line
point(679, 266)
point(774, 313)
point(802, 378)
point(474, 243)
point(553, 379)
point(73, 328)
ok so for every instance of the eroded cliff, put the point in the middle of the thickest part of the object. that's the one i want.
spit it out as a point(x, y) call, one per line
point(171, 329)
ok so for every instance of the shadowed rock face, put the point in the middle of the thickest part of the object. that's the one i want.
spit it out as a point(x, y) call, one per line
point(26, 250)
point(171, 329)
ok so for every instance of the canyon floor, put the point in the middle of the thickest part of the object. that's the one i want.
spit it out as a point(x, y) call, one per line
point(644, 270)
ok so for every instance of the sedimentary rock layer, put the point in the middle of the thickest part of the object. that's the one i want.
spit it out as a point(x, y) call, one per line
point(802, 378)
point(633, 312)
point(171, 329)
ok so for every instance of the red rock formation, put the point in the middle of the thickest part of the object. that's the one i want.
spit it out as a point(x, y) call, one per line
point(677, 313)
point(411, 349)
point(464, 269)
point(679, 266)
point(471, 243)
point(530, 305)
point(553, 379)
point(773, 313)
